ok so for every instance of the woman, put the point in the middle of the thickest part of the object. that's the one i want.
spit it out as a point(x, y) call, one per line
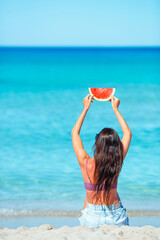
point(100, 173)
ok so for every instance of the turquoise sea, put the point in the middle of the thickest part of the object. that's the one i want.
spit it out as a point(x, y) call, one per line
point(41, 94)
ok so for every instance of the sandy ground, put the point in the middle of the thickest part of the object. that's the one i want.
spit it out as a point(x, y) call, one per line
point(48, 232)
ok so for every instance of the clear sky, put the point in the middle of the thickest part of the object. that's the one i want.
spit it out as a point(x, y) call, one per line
point(80, 23)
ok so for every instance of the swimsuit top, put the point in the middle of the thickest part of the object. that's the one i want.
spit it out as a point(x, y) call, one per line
point(93, 187)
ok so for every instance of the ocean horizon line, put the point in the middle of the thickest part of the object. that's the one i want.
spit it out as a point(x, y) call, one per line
point(80, 47)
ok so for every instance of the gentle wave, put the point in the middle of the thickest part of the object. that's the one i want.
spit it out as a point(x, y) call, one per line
point(4, 212)
point(37, 212)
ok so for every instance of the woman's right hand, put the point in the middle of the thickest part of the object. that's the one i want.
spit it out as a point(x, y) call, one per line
point(115, 102)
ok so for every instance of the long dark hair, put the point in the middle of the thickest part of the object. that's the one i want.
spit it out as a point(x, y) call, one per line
point(108, 155)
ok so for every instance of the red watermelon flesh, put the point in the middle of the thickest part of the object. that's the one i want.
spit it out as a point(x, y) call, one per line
point(102, 94)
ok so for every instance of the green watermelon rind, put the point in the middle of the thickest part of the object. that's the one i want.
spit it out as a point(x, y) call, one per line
point(103, 100)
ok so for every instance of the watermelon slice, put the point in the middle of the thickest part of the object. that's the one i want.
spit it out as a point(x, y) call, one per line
point(102, 94)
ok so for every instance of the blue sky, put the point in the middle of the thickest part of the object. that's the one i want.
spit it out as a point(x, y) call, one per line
point(79, 23)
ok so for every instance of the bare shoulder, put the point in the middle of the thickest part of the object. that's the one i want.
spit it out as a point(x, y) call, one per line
point(90, 168)
point(91, 164)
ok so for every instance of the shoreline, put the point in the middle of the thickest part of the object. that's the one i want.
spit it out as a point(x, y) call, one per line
point(15, 214)
point(70, 221)
point(67, 213)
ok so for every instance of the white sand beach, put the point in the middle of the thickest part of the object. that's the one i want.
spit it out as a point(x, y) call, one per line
point(48, 232)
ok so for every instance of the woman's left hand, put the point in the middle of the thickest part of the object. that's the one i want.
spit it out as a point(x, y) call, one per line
point(87, 101)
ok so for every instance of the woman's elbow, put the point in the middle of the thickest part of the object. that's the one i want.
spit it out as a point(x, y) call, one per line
point(73, 133)
point(128, 133)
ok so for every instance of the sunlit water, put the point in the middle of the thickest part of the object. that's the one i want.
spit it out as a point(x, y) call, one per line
point(41, 94)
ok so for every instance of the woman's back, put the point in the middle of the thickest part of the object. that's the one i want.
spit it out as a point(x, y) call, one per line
point(90, 185)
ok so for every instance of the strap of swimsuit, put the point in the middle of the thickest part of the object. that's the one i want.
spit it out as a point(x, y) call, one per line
point(87, 171)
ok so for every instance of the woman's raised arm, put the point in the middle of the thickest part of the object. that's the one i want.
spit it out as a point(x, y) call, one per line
point(76, 140)
point(127, 134)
